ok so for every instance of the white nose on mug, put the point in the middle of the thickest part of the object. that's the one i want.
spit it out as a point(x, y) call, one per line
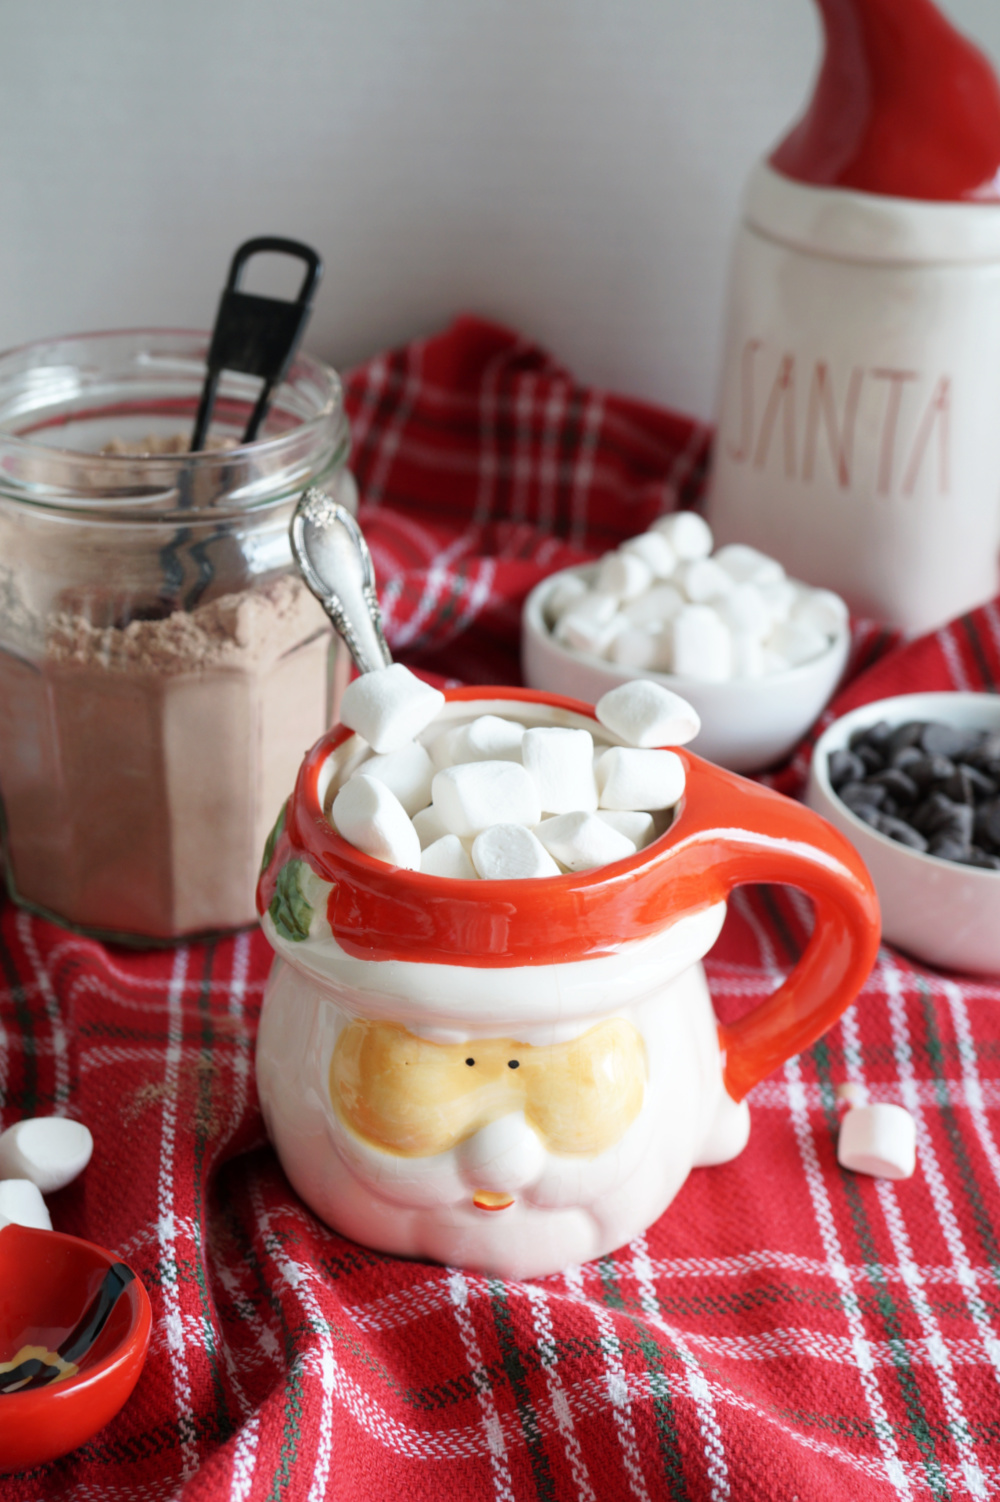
point(503, 1155)
point(515, 1076)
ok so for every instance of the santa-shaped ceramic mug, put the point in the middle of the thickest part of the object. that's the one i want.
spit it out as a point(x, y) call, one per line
point(518, 1076)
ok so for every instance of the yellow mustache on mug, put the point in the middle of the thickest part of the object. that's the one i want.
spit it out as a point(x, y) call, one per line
point(415, 1098)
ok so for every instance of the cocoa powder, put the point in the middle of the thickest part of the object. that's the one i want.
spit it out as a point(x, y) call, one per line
point(141, 766)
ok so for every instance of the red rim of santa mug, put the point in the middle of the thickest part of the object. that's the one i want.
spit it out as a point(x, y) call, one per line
point(725, 833)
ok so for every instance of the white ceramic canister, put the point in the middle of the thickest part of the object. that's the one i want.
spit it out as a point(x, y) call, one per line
point(858, 434)
point(516, 1076)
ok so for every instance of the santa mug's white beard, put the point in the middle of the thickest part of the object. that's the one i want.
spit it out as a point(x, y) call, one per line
point(558, 1209)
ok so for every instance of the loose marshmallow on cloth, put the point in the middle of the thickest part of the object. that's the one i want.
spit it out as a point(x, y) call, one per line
point(583, 841)
point(880, 1140)
point(407, 772)
point(371, 818)
point(21, 1204)
point(561, 764)
point(509, 852)
point(471, 797)
point(646, 714)
point(49, 1150)
point(448, 857)
point(639, 779)
point(389, 707)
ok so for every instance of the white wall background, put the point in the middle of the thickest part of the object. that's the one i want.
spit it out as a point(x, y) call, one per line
point(572, 167)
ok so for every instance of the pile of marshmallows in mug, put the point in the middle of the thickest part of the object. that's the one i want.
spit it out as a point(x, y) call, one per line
point(665, 603)
point(493, 800)
point(471, 804)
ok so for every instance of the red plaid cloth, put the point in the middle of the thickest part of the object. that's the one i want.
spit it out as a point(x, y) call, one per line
point(785, 1331)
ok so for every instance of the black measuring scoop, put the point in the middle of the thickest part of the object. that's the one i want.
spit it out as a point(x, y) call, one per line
point(256, 335)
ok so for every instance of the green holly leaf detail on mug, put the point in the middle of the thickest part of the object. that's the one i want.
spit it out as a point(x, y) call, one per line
point(290, 912)
point(270, 844)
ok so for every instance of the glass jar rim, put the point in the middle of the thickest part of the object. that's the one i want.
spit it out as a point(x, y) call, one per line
point(114, 482)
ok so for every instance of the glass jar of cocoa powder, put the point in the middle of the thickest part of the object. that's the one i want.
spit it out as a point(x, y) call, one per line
point(162, 667)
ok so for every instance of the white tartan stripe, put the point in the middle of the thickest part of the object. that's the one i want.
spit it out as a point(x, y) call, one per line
point(826, 1226)
point(937, 1352)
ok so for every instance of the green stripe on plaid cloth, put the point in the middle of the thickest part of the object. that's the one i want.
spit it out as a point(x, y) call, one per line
point(784, 1331)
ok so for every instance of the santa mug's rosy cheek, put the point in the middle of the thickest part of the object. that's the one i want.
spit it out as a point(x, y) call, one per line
point(410, 1097)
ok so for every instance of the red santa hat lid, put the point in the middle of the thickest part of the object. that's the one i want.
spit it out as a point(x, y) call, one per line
point(904, 105)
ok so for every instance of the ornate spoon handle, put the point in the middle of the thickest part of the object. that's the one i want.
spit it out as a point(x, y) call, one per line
point(334, 560)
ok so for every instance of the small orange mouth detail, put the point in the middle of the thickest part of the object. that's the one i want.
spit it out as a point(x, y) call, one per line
point(484, 1199)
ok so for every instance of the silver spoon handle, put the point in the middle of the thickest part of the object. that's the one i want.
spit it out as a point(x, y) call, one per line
point(332, 554)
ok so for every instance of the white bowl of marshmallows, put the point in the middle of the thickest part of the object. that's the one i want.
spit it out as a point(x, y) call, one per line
point(498, 798)
point(758, 655)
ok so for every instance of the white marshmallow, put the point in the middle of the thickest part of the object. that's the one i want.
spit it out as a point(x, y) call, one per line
point(779, 598)
point(639, 779)
point(509, 852)
point(851, 1093)
point(647, 714)
point(747, 565)
point(372, 819)
point(439, 748)
point(641, 647)
point(49, 1150)
point(561, 764)
point(588, 630)
point(688, 534)
point(703, 581)
point(655, 552)
point(880, 1139)
point(658, 606)
point(581, 841)
point(797, 643)
point(774, 662)
point(562, 595)
point(429, 826)
point(470, 798)
point(749, 656)
point(623, 574)
point(702, 645)
point(407, 772)
point(21, 1204)
point(635, 825)
point(745, 612)
point(490, 738)
point(448, 857)
point(820, 609)
point(389, 707)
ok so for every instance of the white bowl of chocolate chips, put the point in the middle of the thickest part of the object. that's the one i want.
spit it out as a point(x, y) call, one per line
point(914, 784)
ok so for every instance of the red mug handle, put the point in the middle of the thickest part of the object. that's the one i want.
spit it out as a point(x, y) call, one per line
point(732, 831)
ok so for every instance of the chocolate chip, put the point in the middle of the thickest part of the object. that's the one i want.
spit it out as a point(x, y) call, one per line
point(896, 783)
point(874, 735)
point(948, 740)
point(983, 787)
point(959, 786)
point(862, 794)
point(947, 849)
point(935, 810)
point(844, 766)
point(906, 758)
point(902, 833)
point(871, 756)
point(905, 735)
point(987, 822)
point(929, 769)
